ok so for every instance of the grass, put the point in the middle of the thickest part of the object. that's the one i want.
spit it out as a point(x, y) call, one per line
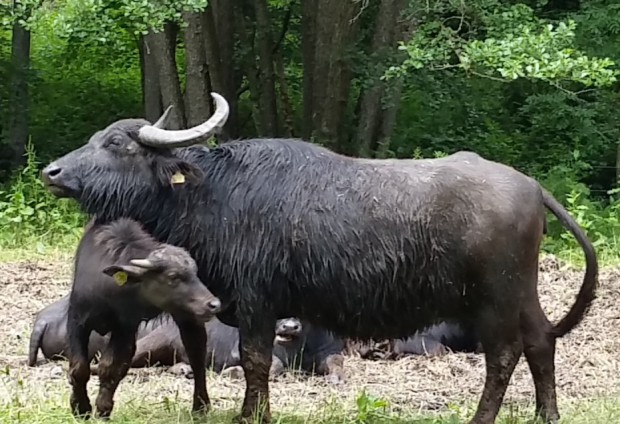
point(54, 410)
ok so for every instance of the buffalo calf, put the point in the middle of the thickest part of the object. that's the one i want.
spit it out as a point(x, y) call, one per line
point(123, 277)
point(309, 348)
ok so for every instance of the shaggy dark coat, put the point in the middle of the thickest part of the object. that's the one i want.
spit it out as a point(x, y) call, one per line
point(364, 248)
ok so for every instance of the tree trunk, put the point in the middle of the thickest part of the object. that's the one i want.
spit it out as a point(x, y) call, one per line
point(246, 36)
point(164, 49)
point(308, 44)
point(197, 97)
point(287, 110)
point(19, 98)
point(268, 99)
point(335, 32)
point(382, 45)
point(226, 25)
point(388, 119)
point(151, 92)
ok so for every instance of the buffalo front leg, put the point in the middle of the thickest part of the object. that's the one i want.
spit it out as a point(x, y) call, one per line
point(256, 334)
point(194, 338)
point(79, 369)
point(113, 367)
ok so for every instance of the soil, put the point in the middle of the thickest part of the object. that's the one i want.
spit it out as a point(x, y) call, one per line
point(587, 360)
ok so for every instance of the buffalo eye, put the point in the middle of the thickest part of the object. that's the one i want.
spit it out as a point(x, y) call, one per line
point(113, 142)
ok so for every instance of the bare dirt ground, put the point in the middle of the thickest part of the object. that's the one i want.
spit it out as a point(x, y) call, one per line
point(587, 359)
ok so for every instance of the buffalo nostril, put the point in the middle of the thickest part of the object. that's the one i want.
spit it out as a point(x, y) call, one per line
point(214, 305)
point(292, 326)
point(52, 171)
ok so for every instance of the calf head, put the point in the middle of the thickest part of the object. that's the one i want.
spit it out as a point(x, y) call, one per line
point(288, 332)
point(167, 278)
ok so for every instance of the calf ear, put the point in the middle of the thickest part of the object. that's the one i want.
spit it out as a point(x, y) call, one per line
point(176, 172)
point(125, 274)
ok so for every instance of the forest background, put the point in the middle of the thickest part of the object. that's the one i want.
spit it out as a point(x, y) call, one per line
point(532, 84)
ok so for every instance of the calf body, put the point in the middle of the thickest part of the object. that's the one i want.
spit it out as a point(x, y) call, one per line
point(123, 277)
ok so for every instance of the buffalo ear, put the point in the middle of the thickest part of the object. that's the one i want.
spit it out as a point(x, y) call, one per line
point(173, 171)
point(125, 274)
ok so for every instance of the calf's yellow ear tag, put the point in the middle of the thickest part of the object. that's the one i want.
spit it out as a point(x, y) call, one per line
point(177, 178)
point(120, 277)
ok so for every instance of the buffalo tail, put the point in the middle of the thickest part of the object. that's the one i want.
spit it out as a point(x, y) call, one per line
point(586, 294)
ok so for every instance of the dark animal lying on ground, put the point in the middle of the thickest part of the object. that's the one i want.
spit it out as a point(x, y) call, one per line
point(122, 277)
point(49, 333)
point(366, 248)
point(321, 352)
point(302, 346)
point(438, 339)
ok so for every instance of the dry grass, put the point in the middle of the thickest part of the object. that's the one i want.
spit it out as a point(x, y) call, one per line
point(587, 364)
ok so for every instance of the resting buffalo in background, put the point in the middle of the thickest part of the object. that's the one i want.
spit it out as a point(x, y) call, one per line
point(143, 278)
point(436, 340)
point(305, 347)
point(49, 332)
point(164, 346)
point(365, 248)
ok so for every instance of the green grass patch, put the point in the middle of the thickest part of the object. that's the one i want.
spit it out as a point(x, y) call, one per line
point(55, 410)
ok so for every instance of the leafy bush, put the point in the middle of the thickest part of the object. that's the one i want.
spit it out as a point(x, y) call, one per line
point(30, 216)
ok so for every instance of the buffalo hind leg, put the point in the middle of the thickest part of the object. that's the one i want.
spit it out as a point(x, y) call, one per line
point(501, 339)
point(79, 369)
point(256, 334)
point(194, 338)
point(539, 346)
point(113, 367)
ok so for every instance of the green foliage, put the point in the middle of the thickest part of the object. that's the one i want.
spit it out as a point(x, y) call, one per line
point(31, 216)
point(516, 44)
point(369, 408)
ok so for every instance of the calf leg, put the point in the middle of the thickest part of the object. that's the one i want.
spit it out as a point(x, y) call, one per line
point(194, 338)
point(539, 345)
point(256, 334)
point(113, 367)
point(503, 346)
point(79, 369)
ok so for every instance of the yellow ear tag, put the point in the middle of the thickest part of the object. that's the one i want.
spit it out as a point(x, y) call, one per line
point(120, 277)
point(178, 178)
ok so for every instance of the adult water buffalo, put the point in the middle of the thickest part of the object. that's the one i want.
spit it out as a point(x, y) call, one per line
point(365, 248)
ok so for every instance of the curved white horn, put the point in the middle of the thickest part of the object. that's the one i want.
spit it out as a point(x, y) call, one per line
point(163, 120)
point(159, 137)
point(142, 263)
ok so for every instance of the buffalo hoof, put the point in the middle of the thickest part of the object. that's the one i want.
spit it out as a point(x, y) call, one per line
point(200, 408)
point(81, 410)
point(236, 373)
point(240, 419)
point(181, 369)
